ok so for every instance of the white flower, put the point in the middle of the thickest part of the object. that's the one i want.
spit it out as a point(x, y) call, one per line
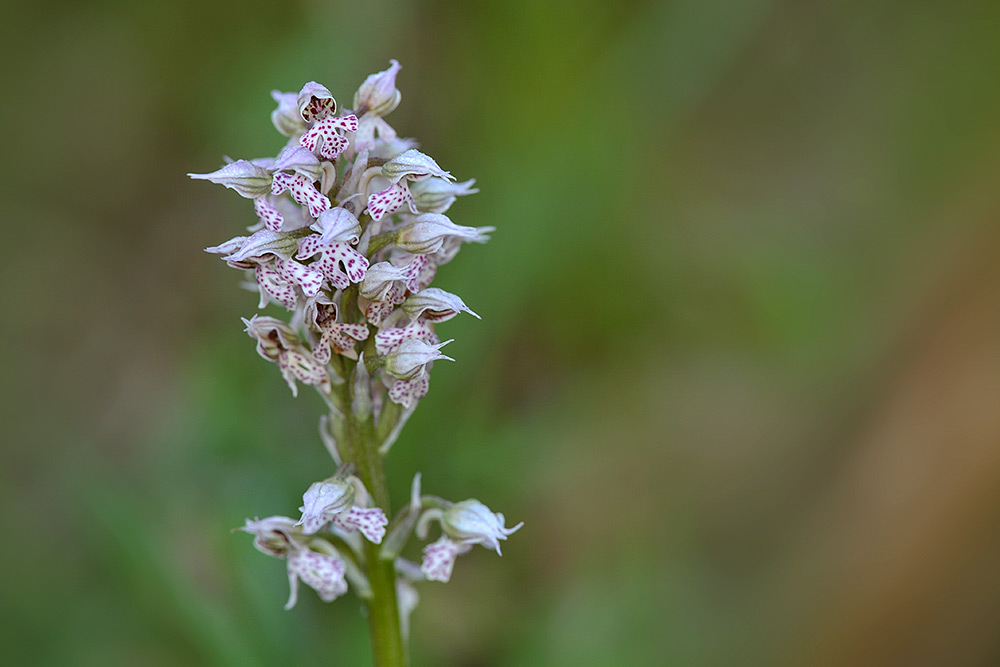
point(430, 232)
point(472, 522)
point(410, 165)
point(378, 94)
point(463, 525)
point(314, 561)
point(286, 118)
point(332, 501)
point(436, 195)
point(410, 359)
point(435, 305)
point(277, 342)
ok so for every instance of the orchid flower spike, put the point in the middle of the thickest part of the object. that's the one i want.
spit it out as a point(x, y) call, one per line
point(347, 233)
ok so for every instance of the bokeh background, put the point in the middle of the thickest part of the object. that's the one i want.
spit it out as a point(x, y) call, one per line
point(738, 372)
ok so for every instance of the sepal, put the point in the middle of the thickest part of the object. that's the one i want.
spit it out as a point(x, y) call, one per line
point(378, 94)
point(243, 176)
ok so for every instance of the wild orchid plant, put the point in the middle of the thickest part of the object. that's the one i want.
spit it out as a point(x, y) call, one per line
point(350, 230)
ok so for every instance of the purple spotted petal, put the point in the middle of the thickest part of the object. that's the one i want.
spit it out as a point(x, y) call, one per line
point(439, 558)
point(270, 216)
point(302, 192)
point(387, 340)
point(300, 366)
point(309, 279)
point(339, 262)
point(408, 392)
point(322, 573)
point(391, 199)
point(323, 136)
point(272, 284)
point(370, 522)
point(338, 336)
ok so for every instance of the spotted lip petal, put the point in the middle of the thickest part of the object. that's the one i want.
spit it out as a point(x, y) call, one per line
point(324, 137)
point(439, 559)
point(390, 200)
point(369, 522)
point(321, 572)
point(341, 264)
point(338, 337)
point(302, 191)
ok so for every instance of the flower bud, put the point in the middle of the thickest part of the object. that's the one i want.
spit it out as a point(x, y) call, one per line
point(243, 176)
point(472, 522)
point(436, 195)
point(429, 231)
point(324, 500)
point(298, 159)
point(229, 247)
point(263, 242)
point(286, 118)
point(378, 94)
point(409, 359)
point(315, 102)
point(413, 165)
point(435, 305)
point(361, 390)
point(378, 280)
point(337, 225)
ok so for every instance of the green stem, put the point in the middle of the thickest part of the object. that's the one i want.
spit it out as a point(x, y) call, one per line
point(361, 449)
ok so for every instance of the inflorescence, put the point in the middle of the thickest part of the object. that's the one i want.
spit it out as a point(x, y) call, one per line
point(350, 229)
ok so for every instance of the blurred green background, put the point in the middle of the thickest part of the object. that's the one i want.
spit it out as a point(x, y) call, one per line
point(738, 372)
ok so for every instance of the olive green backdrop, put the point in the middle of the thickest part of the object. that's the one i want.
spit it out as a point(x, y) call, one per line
point(738, 369)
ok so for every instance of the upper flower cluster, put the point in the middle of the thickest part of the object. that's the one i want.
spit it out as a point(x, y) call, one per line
point(349, 232)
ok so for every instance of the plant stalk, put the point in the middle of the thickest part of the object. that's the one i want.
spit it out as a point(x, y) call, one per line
point(361, 449)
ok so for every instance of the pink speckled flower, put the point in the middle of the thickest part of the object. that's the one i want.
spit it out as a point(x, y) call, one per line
point(411, 165)
point(277, 343)
point(321, 315)
point(312, 560)
point(269, 255)
point(339, 263)
point(376, 98)
point(332, 502)
point(463, 525)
